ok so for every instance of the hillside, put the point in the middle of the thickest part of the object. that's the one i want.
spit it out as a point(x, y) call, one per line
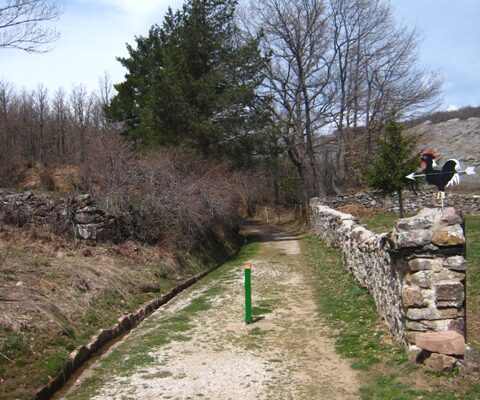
point(455, 138)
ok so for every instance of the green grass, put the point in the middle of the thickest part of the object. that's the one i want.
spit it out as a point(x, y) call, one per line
point(361, 336)
point(472, 228)
point(380, 222)
point(349, 309)
point(12, 346)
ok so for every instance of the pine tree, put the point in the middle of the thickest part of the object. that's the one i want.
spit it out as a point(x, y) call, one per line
point(395, 159)
point(193, 82)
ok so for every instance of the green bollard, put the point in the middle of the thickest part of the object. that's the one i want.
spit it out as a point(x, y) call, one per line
point(248, 293)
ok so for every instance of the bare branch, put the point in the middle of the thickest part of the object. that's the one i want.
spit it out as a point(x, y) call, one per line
point(22, 24)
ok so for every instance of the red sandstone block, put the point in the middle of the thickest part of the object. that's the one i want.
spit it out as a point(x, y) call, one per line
point(443, 342)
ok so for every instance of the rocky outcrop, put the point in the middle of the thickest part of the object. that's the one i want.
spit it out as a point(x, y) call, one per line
point(78, 216)
point(416, 273)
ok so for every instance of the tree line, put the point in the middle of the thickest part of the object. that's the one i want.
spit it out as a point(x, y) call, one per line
point(258, 84)
point(39, 126)
point(271, 78)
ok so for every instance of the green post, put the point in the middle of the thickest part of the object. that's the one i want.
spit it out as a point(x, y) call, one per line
point(248, 293)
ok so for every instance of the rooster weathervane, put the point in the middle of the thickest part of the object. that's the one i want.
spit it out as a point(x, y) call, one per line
point(449, 175)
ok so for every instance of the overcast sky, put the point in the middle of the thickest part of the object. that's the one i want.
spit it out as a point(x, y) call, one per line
point(94, 33)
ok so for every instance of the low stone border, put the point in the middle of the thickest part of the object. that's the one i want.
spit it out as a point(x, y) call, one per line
point(124, 324)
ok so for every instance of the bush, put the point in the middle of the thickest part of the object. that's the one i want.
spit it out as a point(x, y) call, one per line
point(164, 195)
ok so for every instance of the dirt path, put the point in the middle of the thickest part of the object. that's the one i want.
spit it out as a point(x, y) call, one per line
point(198, 346)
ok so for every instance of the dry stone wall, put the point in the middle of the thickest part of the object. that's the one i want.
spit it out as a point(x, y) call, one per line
point(78, 216)
point(415, 273)
point(413, 202)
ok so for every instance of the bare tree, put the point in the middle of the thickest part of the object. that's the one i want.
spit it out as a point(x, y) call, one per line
point(41, 109)
point(22, 24)
point(6, 99)
point(60, 124)
point(81, 104)
point(376, 66)
point(336, 63)
point(298, 76)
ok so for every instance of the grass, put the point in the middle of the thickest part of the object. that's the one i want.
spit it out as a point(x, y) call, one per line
point(380, 222)
point(472, 227)
point(30, 355)
point(361, 337)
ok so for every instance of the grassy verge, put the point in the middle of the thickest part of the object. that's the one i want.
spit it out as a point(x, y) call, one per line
point(361, 337)
point(472, 227)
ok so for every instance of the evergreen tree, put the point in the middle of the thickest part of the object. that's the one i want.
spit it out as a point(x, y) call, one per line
point(193, 82)
point(395, 159)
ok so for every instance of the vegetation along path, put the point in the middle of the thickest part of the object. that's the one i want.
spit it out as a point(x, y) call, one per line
point(198, 345)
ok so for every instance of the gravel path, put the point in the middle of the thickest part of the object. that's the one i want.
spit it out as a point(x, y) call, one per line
point(286, 354)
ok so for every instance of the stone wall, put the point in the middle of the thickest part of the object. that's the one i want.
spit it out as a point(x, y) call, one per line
point(78, 216)
point(413, 202)
point(416, 274)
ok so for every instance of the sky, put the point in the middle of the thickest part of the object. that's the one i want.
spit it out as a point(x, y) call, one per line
point(95, 32)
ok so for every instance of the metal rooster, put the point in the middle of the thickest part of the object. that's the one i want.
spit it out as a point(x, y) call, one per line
point(449, 174)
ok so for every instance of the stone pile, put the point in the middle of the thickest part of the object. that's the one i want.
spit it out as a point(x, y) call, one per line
point(416, 275)
point(78, 216)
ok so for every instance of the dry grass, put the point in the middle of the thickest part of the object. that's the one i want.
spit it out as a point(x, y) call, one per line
point(55, 294)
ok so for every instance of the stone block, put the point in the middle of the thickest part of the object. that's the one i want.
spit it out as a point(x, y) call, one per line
point(422, 264)
point(453, 236)
point(87, 232)
point(457, 325)
point(85, 218)
point(456, 263)
point(440, 363)
point(80, 355)
point(436, 325)
point(449, 304)
point(124, 323)
point(444, 342)
point(422, 279)
point(416, 222)
point(448, 217)
point(413, 238)
point(415, 326)
point(450, 291)
point(432, 313)
point(413, 297)
point(411, 337)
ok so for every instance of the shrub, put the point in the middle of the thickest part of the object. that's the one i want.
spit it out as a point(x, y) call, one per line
point(163, 195)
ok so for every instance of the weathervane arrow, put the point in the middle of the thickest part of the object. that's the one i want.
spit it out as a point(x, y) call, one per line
point(467, 171)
